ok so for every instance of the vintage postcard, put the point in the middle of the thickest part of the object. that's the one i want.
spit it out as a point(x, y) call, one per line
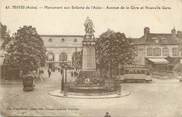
point(90, 58)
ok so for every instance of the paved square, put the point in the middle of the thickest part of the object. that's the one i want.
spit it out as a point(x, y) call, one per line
point(161, 98)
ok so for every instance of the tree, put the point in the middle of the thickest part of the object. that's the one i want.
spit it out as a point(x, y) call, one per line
point(4, 35)
point(77, 60)
point(26, 50)
point(113, 49)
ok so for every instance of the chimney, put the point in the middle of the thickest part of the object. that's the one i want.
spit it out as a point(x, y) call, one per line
point(146, 32)
point(179, 34)
point(173, 32)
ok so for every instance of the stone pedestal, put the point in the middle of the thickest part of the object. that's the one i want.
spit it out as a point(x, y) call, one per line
point(88, 60)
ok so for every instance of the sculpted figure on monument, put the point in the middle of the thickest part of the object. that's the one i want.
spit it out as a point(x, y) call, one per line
point(89, 27)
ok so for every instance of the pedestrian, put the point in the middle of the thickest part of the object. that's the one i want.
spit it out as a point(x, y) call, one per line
point(61, 71)
point(107, 114)
point(49, 72)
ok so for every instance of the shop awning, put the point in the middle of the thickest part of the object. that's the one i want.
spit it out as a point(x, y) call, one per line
point(158, 61)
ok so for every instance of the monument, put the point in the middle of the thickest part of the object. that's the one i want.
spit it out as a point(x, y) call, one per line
point(88, 47)
point(87, 75)
point(88, 80)
point(88, 83)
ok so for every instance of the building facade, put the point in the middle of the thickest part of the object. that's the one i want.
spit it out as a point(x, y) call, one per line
point(60, 48)
point(158, 51)
point(155, 50)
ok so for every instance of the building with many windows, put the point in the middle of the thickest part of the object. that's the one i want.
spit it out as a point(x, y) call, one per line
point(158, 51)
point(60, 48)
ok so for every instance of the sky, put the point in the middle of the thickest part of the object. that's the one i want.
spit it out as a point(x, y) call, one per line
point(70, 21)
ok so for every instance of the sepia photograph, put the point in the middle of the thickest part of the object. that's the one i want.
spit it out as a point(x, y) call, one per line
point(91, 58)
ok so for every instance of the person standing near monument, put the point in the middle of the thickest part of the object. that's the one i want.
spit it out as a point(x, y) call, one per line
point(49, 72)
point(107, 114)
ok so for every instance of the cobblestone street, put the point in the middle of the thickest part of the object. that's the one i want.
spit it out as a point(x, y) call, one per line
point(161, 98)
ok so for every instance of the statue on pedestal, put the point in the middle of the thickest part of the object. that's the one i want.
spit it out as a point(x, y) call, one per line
point(89, 47)
point(89, 28)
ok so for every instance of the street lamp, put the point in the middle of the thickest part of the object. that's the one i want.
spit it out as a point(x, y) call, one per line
point(64, 78)
point(65, 81)
point(62, 81)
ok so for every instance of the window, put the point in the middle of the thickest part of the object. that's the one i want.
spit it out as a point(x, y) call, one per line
point(63, 56)
point(62, 40)
point(50, 40)
point(50, 56)
point(156, 52)
point(175, 52)
point(75, 40)
point(154, 38)
point(165, 51)
point(156, 41)
point(149, 51)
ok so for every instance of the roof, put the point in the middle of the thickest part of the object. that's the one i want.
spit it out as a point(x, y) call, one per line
point(162, 38)
point(61, 35)
point(137, 41)
point(62, 41)
point(157, 38)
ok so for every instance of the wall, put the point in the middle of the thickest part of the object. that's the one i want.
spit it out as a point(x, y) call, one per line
point(58, 44)
point(58, 51)
point(161, 47)
point(142, 52)
point(140, 58)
